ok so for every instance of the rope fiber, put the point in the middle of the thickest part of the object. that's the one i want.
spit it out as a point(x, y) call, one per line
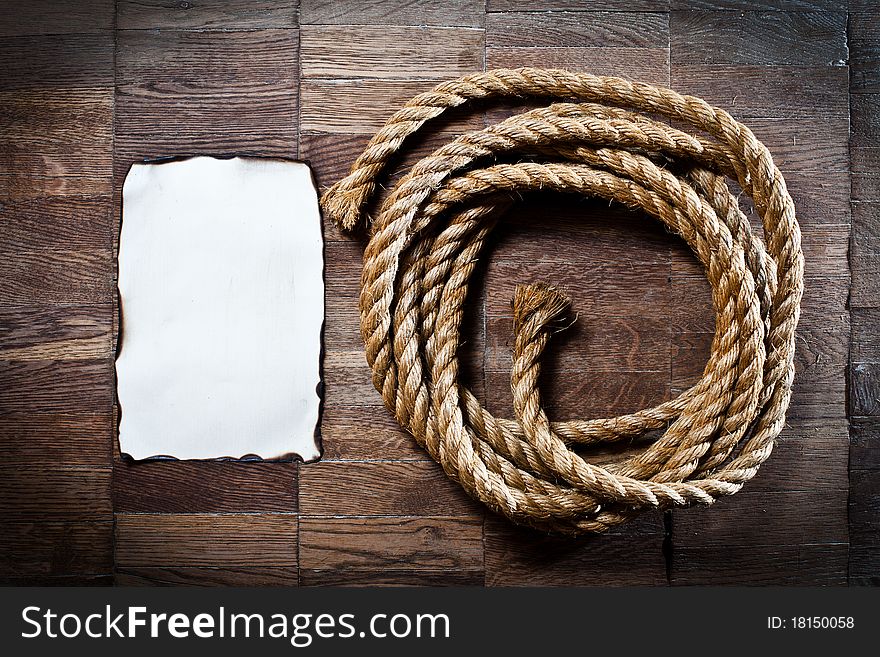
point(602, 137)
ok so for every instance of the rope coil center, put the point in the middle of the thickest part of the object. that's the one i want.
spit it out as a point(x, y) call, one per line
point(600, 139)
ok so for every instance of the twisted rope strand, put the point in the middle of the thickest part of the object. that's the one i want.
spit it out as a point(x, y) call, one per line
point(599, 140)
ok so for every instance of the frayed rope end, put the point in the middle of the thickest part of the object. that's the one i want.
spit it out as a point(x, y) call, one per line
point(546, 300)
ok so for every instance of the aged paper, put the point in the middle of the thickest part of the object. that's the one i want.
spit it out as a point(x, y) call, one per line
point(222, 300)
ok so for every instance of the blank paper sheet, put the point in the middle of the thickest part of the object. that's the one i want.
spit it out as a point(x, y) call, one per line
point(222, 306)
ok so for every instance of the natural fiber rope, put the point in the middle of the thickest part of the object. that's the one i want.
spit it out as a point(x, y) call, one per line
point(430, 231)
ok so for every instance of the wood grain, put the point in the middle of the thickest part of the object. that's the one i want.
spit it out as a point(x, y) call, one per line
point(391, 577)
point(452, 13)
point(56, 222)
point(759, 37)
point(649, 65)
point(56, 492)
point(864, 129)
point(359, 106)
point(184, 93)
point(46, 439)
point(629, 556)
point(56, 547)
point(381, 488)
point(799, 92)
point(374, 544)
point(408, 53)
point(576, 5)
point(44, 276)
point(52, 386)
point(753, 518)
point(76, 332)
point(206, 540)
point(204, 487)
point(350, 434)
point(758, 5)
point(865, 164)
point(864, 501)
point(57, 61)
point(865, 344)
point(762, 565)
point(555, 30)
point(28, 17)
point(205, 14)
point(205, 576)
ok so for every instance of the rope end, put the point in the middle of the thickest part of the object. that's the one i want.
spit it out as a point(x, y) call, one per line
point(342, 206)
point(546, 301)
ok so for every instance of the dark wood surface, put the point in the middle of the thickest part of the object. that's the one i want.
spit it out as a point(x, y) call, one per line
point(86, 89)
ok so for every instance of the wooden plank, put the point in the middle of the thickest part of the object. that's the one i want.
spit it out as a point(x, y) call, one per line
point(583, 394)
point(864, 517)
point(631, 555)
point(562, 29)
point(44, 276)
point(56, 142)
point(206, 540)
point(649, 65)
point(56, 547)
point(56, 222)
point(637, 283)
point(56, 333)
point(361, 106)
point(185, 93)
point(391, 577)
point(865, 164)
point(206, 576)
point(56, 386)
point(26, 17)
point(376, 544)
point(864, 389)
point(351, 433)
point(819, 198)
point(811, 454)
point(865, 120)
point(763, 565)
point(59, 580)
point(748, 91)
point(350, 385)
point(204, 487)
point(71, 438)
point(60, 61)
point(864, 49)
point(205, 15)
point(865, 290)
point(389, 52)
point(864, 450)
point(752, 518)
point(594, 343)
point(452, 13)
point(865, 346)
point(758, 37)
point(759, 5)
point(54, 493)
point(577, 5)
point(866, 227)
point(381, 488)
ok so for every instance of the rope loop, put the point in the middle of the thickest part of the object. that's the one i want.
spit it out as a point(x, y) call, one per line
point(602, 137)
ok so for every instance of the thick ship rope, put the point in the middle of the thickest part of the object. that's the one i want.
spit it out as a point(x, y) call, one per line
point(600, 140)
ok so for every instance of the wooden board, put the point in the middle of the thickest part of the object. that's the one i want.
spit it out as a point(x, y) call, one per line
point(87, 89)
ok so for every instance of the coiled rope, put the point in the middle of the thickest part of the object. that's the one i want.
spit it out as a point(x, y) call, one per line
point(602, 142)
